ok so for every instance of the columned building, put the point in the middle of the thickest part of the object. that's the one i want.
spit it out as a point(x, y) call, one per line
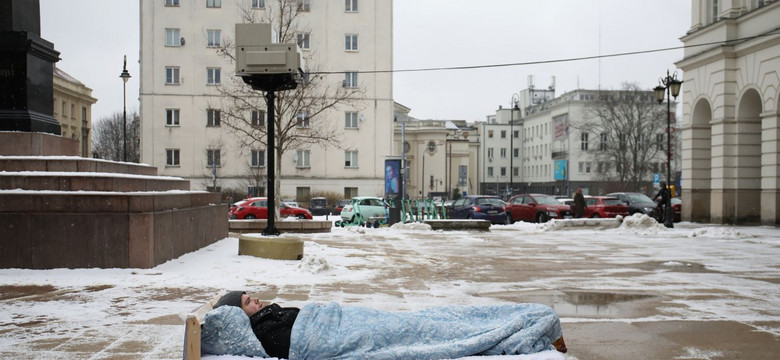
point(184, 132)
point(73, 109)
point(731, 163)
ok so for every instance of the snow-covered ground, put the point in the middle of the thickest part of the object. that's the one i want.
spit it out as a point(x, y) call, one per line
point(694, 272)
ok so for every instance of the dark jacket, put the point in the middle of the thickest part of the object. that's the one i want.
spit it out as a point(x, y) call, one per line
point(272, 325)
point(664, 195)
point(579, 205)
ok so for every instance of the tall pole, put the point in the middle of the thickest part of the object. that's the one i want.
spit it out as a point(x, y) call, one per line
point(671, 86)
point(270, 229)
point(125, 75)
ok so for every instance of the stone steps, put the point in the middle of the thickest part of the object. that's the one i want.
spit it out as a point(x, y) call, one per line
point(64, 211)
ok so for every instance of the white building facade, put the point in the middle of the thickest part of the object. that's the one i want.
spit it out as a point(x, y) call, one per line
point(181, 70)
point(730, 129)
point(549, 151)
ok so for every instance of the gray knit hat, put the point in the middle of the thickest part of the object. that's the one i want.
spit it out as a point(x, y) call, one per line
point(232, 298)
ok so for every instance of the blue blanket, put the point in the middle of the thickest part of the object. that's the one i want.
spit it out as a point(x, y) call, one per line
point(330, 331)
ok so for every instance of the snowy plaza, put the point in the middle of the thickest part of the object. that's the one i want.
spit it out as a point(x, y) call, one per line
point(696, 291)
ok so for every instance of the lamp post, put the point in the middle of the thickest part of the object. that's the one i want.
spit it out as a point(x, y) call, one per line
point(671, 85)
point(125, 76)
point(513, 107)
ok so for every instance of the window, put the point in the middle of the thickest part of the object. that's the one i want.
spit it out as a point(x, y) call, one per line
point(490, 171)
point(258, 158)
point(212, 118)
point(171, 117)
point(503, 153)
point(212, 157)
point(584, 141)
point(503, 171)
point(351, 119)
point(351, 42)
point(304, 5)
point(714, 10)
point(581, 167)
point(303, 158)
point(490, 153)
point(660, 138)
point(171, 157)
point(171, 2)
point(351, 5)
point(350, 79)
point(351, 158)
point(258, 118)
point(515, 152)
point(303, 41)
point(171, 75)
point(213, 76)
point(258, 4)
point(302, 120)
point(213, 3)
point(490, 134)
point(172, 37)
point(213, 38)
point(603, 143)
point(503, 134)
point(515, 171)
point(516, 134)
point(587, 167)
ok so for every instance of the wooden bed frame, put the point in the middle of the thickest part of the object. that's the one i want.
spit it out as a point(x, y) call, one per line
point(192, 325)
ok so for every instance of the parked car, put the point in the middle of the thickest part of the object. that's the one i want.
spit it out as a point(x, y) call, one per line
point(565, 201)
point(319, 206)
point(537, 208)
point(637, 202)
point(486, 207)
point(371, 208)
point(340, 205)
point(604, 207)
point(257, 208)
point(291, 203)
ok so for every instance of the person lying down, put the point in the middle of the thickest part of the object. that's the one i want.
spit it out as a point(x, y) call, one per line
point(242, 325)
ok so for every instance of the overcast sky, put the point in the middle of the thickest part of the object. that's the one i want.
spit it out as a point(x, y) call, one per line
point(94, 35)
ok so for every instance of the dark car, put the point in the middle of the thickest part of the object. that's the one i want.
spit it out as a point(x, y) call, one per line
point(604, 207)
point(340, 205)
point(636, 202)
point(257, 208)
point(319, 206)
point(536, 208)
point(479, 207)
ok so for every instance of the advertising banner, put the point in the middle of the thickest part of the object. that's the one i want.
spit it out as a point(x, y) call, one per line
point(559, 170)
point(392, 178)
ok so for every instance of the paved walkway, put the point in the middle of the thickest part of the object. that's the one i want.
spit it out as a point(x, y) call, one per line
point(681, 295)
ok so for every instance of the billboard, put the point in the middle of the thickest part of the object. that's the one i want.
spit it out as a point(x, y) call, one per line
point(561, 126)
point(559, 170)
point(392, 178)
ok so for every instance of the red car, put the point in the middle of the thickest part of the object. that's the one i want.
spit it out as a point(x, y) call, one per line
point(257, 208)
point(604, 207)
point(677, 209)
point(536, 207)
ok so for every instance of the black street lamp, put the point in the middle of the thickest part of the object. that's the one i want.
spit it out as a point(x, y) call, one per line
point(671, 85)
point(125, 76)
point(513, 107)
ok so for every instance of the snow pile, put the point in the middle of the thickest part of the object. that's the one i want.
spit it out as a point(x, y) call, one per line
point(717, 233)
point(412, 226)
point(641, 224)
point(313, 264)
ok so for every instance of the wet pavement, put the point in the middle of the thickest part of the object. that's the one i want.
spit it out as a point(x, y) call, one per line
point(628, 295)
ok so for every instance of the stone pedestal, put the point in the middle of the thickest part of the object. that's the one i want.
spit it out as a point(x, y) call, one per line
point(26, 70)
point(271, 247)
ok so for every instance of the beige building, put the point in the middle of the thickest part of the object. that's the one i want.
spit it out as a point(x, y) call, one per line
point(181, 70)
point(731, 163)
point(73, 109)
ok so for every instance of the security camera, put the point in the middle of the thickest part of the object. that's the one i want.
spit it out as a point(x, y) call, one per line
point(257, 55)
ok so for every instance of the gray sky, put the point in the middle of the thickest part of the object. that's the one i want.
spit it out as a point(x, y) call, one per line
point(93, 36)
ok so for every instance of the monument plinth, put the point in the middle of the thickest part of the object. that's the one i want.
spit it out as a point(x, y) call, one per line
point(26, 70)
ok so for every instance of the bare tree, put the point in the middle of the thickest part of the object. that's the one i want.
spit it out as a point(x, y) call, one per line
point(108, 141)
point(300, 115)
point(627, 123)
